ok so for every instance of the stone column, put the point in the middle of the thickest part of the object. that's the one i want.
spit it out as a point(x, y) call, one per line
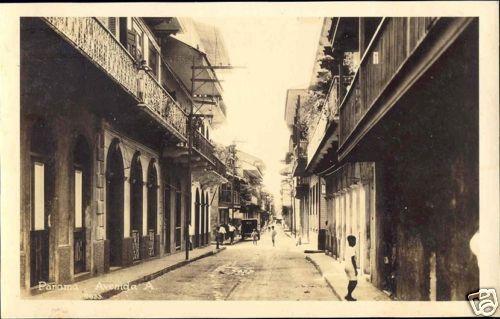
point(126, 207)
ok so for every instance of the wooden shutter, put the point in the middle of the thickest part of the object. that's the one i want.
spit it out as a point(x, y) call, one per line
point(112, 25)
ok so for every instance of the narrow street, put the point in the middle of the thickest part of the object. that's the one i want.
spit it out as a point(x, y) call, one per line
point(241, 272)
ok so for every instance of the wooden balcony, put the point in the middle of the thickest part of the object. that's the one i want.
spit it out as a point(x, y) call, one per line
point(398, 54)
point(90, 37)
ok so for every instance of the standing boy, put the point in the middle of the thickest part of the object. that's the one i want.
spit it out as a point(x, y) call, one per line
point(351, 269)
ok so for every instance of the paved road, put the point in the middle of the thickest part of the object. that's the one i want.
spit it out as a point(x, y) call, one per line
point(241, 272)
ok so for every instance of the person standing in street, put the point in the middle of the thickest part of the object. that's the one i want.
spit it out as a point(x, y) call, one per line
point(222, 234)
point(231, 232)
point(273, 235)
point(254, 236)
point(351, 269)
point(216, 231)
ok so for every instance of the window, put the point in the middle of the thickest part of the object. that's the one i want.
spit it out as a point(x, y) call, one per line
point(78, 199)
point(39, 196)
point(153, 59)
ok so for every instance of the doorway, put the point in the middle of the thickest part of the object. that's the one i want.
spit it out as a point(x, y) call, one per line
point(42, 193)
point(114, 203)
point(81, 196)
point(152, 207)
point(136, 191)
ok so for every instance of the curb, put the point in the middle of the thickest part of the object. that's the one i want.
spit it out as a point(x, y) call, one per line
point(112, 292)
point(315, 264)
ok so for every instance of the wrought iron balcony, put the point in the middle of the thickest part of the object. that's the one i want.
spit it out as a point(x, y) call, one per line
point(99, 45)
point(206, 149)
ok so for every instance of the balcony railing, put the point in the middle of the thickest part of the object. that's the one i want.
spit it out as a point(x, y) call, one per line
point(205, 147)
point(394, 41)
point(95, 41)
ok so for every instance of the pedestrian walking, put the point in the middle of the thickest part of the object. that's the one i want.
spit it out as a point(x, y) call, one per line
point(351, 269)
point(216, 231)
point(254, 236)
point(273, 235)
point(222, 233)
point(231, 232)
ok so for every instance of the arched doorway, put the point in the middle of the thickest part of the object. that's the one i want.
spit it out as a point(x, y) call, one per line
point(152, 207)
point(136, 191)
point(42, 150)
point(202, 217)
point(197, 219)
point(81, 201)
point(207, 218)
point(114, 202)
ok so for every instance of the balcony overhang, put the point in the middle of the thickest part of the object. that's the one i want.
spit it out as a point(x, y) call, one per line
point(208, 177)
point(326, 148)
point(163, 26)
point(439, 36)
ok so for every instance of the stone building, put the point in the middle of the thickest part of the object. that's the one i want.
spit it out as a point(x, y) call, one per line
point(104, 173)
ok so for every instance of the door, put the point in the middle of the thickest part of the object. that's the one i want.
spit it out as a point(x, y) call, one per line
point(79, 226)
point(39, 234)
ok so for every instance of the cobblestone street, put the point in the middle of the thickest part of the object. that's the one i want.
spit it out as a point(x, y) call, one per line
point(241, 272)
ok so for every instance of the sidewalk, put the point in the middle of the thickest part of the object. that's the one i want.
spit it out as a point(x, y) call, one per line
point(114, 282)
point(334, 275)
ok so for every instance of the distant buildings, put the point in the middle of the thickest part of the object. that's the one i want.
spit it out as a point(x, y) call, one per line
point(384, 145)
point(243, 197)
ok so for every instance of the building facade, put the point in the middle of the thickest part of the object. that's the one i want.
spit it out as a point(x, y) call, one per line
point(398, 152)
point(104, 133)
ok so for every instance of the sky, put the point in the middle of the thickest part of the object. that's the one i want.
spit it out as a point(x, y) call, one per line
point(277, 54)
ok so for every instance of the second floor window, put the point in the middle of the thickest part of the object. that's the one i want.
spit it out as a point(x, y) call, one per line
point(153, 59)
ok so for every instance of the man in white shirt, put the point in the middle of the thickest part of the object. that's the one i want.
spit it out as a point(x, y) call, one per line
point(222, 234)
point(231, 232)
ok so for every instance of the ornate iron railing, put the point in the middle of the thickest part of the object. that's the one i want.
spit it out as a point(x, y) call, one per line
point(95, 41)
point(206, 148)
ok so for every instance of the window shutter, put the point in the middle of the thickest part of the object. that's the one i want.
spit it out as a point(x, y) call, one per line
point(112, 25)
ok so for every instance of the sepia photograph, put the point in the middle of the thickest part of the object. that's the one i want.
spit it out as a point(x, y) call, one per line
point(247, 159)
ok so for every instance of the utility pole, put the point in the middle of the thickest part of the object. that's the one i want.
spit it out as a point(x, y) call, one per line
point(190, 151)
point(191, 131)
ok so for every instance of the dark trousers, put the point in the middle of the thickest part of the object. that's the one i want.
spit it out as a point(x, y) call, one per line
point(231, 236)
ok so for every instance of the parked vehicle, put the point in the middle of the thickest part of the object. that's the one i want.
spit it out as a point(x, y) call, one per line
point(247, 226)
